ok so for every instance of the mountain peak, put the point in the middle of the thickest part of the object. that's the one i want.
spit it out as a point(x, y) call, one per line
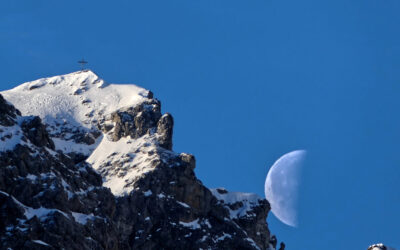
point(75, 80)
point(98, 164)
point(74, 102)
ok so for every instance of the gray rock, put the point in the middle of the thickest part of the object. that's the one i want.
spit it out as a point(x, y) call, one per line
point(8, 113)
point(36, 132)
point(135, 121)
point(164, 129)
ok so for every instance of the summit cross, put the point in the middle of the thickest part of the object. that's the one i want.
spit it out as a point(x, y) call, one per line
point(82, 63)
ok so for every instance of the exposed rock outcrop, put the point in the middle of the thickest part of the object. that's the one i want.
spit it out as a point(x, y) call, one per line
point(8, 113)
point(134, 121)
point(164, 129)
point(379, 246)
point(36, 132)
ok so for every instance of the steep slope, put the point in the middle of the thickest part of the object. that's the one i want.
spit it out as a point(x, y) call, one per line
point(147, 197)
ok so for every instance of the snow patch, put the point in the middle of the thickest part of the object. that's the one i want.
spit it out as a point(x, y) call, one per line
point(248, 201)
point(10, 137)
point(123, 161)
point(252, 243)
point(83, 218)
point(183, 204)
point(207, 223)
point(31, 177)
point(223, 237)
point(41, 212)
point(147, 193)
point(192, 225)
point(41, 242)
point(69, 146)
point(30, 212)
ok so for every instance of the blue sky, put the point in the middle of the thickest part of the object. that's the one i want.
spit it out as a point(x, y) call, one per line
point(246, 82)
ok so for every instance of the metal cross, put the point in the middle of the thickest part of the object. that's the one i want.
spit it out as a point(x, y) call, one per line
point(82, 63)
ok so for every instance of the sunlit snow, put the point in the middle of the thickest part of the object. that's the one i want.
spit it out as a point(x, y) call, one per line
point(78, 99)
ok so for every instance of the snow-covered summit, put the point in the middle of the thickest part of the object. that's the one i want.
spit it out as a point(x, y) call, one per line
point(142, 195)
point(73, 104)
point(80, 96)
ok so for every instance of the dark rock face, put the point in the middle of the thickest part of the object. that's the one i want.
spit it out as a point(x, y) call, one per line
point(164, 129)
point(36, 132)
point(49, 200)
point(184, 211)
point(7, 113)
point(45, 196)
point(140, 120)
point(134, 121)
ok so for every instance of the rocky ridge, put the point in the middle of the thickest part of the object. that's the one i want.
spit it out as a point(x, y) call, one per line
point(379, 246)
point(91, 166)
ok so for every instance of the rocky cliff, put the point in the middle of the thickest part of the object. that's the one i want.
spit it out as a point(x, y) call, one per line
point(89, 165)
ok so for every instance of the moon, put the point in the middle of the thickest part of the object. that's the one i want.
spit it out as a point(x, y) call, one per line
point(282, 186)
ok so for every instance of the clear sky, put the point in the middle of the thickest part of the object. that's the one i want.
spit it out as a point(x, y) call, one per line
point(248, 81)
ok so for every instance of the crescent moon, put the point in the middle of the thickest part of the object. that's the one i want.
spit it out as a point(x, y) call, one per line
point(282, 186)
